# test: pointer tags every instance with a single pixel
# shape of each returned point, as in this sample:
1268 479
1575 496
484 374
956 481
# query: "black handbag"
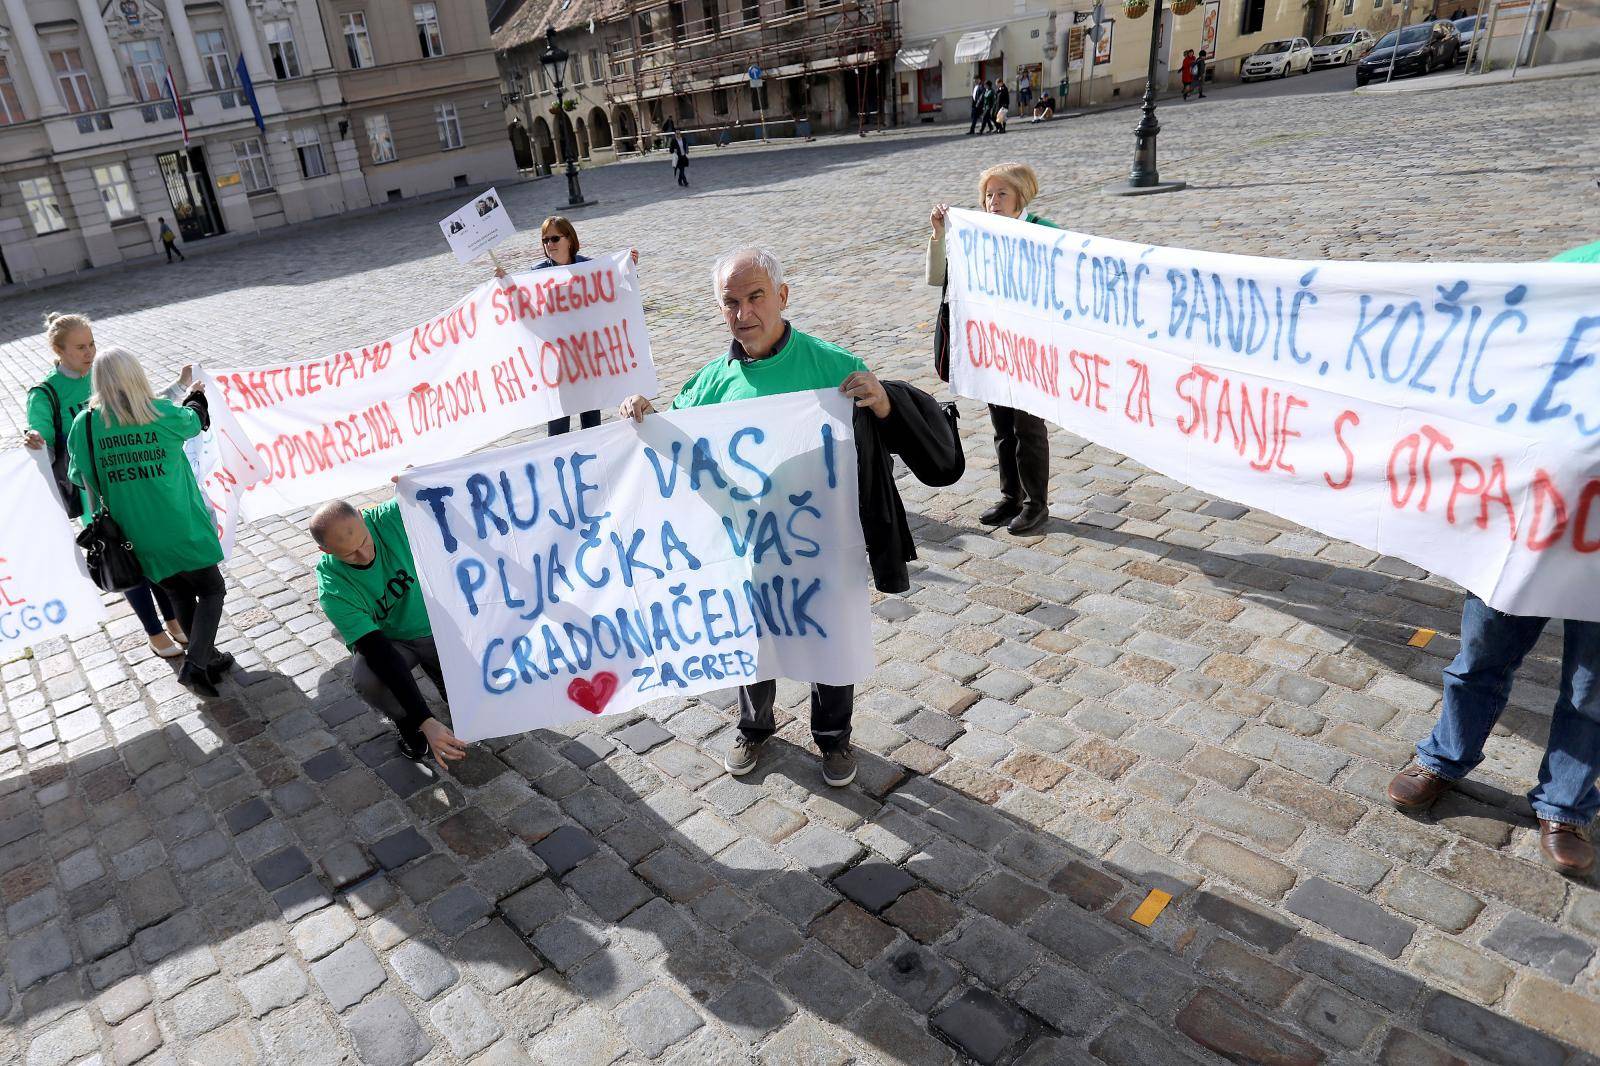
941 336
112 565
71 497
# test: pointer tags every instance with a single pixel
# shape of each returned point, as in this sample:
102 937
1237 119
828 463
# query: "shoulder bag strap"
96 496
55 408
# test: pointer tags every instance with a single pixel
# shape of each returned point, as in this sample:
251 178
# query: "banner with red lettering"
1444 413
510 355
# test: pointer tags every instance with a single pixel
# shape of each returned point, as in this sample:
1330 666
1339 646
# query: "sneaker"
839 766
741 757
413 746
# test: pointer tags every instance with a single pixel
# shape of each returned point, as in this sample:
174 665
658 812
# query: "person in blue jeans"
1476 686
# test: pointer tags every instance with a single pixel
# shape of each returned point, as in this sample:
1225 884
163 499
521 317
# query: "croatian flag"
177 103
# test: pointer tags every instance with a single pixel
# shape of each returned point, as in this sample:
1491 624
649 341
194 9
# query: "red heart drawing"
593 695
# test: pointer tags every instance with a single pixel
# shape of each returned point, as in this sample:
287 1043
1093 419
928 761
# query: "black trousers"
977 113
1022 449
414 653
172 249
558 426
831 706
197 597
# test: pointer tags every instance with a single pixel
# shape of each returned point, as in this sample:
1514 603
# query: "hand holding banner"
591 573
1445 413
44 591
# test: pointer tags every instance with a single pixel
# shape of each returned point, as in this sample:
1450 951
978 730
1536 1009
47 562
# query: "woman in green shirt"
139 472
1021 440
52 405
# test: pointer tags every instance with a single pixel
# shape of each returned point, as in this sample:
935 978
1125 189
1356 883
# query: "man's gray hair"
728 261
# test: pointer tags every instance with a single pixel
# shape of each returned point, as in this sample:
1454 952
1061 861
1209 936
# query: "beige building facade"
418 78
949 45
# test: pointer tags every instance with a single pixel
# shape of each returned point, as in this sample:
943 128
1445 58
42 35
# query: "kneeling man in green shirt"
768 357
366 580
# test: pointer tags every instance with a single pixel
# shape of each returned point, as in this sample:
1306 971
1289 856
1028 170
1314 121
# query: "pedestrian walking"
1002 102
53 404
559 239
988 107
1188 72
1021 440
1024 91
367 586
1200 73
169 241
769 357
977 107
680 157
126 449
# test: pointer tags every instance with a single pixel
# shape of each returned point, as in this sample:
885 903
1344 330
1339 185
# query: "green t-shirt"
72 393
381 597
1587 253
146 482
802 364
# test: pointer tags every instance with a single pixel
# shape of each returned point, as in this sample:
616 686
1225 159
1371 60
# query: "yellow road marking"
1151 908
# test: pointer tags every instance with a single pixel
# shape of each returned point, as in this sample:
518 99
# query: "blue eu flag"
250 93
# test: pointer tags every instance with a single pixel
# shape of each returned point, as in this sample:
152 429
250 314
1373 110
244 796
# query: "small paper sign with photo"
478 228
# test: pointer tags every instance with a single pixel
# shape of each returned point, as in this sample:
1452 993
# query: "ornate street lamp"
1143 178
555 64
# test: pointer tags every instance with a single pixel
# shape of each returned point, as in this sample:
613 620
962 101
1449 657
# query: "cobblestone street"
1166 691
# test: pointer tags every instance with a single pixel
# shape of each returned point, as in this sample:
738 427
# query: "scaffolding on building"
654 52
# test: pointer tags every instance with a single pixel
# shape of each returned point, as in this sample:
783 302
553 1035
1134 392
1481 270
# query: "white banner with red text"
1444 413
700 549
512 354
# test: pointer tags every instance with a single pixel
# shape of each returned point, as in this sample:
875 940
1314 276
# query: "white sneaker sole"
842 781
738 771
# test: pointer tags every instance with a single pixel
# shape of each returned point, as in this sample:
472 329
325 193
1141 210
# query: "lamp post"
555 64
1143 177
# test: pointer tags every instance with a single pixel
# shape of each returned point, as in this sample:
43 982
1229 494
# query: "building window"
685 107
1254 13
675 12
645 30
285 58
252 165
544 79
356 42
380 140
713 17
449 126
116 191
308 146
595 67
147 69
719 101
426 17
1349 7
758 97
10 106
213 46
40 197
752 12
793 7
72 81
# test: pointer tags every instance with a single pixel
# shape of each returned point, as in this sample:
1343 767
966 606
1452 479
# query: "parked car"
1278 59
1412 50
1339 49
1465 29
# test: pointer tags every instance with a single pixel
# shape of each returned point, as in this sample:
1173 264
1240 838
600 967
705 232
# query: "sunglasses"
557 239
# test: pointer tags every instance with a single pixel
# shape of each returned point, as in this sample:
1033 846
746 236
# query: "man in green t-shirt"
367 584
769 357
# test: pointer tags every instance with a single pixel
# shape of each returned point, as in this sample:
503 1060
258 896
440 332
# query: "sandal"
163 645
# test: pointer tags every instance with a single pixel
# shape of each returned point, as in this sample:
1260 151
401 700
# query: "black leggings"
145 600
558 426
197 596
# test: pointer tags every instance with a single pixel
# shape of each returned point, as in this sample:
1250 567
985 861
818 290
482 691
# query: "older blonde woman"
1021 440
126 450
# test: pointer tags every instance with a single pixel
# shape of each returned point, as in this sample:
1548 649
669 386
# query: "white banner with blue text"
592 572
44 590
1444 413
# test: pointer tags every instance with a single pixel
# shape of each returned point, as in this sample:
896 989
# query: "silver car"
1341 49
1278 59
1467 27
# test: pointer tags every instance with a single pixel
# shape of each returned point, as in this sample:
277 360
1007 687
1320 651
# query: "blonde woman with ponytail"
52 405
127 450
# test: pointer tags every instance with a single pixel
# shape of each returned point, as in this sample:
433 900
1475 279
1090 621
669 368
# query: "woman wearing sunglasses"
559 240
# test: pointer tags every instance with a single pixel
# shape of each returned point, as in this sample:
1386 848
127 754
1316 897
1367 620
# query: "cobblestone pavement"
1166 691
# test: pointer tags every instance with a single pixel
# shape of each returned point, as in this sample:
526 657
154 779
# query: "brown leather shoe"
1566 847
1416 787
